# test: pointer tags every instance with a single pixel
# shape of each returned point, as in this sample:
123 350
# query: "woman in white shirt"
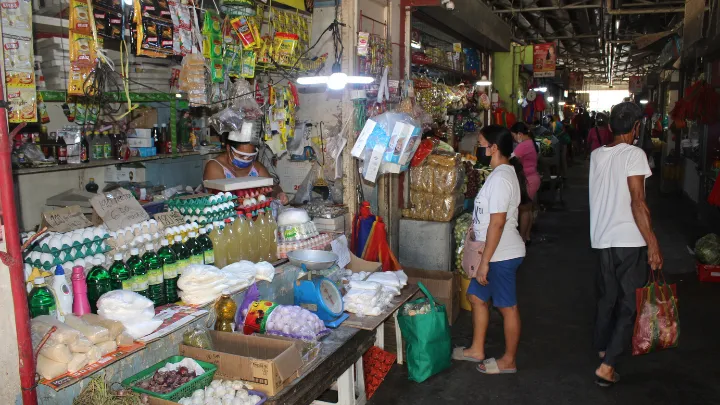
495 221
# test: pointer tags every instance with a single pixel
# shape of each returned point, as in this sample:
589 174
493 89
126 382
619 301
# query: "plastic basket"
180 392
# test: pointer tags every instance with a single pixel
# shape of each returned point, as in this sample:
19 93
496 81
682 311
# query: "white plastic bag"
49 369
82 345
265 271
114 327
79 360
106 347
64 334
122 306
142 328
96 334
124 339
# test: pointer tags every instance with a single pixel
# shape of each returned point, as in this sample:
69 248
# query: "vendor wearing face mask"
239 161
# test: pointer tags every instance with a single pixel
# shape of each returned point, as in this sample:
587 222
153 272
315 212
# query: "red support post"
13 260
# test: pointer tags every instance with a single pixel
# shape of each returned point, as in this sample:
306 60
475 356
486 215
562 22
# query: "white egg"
88 234
46 258
99 233
193 218
146 228
168 231
55 242
99 256
228 195
137 230
66 240
147 238
212 199
202 218
67 266
253 201
261 198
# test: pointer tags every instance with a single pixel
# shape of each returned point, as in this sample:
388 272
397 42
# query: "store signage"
544 60
577 80
119 209
65 219
636 84
170 219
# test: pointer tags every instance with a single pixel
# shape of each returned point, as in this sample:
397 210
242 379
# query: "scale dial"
331 297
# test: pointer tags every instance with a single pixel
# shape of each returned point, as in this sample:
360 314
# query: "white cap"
164 242
134 251
192 235
39 280
202 231
117 256
149 247
178 238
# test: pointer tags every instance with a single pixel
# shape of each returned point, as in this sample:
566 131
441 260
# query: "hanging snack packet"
23 107
212 23
165 33
163 9
80 17
245 31
285 44
248 64
82 50
217 70
17 52
77 78
147 8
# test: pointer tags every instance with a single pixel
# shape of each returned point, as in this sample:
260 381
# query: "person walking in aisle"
600 134
495 221
527 153
621 229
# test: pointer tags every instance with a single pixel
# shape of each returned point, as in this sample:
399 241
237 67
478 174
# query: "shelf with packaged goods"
105 162
458 73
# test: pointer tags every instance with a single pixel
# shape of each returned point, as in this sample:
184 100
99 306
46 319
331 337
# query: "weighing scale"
319 294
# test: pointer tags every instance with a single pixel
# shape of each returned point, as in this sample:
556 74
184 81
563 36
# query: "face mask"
243 163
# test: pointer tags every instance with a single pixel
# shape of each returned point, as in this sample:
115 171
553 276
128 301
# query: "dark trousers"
622 271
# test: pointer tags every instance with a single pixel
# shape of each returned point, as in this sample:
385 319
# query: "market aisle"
555 293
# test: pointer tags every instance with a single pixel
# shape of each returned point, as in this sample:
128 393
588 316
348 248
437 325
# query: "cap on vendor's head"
244 135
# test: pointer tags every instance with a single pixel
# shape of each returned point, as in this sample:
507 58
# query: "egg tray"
45 248
219 216
57 260
254 208
199 210
200 201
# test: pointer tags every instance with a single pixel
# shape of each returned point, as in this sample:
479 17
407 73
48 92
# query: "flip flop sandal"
458 354
607 383
491 367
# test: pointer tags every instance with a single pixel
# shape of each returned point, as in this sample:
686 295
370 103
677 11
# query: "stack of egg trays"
65 253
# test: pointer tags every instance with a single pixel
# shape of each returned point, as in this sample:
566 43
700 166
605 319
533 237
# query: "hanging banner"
544 60
577 80
636 84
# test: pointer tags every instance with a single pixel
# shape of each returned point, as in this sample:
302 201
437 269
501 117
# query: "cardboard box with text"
443 287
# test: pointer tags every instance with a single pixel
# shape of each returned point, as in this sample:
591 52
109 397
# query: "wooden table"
341 353
377 323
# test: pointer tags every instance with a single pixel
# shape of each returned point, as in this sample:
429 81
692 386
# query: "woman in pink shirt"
527 152
600 134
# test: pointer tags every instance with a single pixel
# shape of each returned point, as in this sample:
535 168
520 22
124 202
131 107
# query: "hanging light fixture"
483 81
337 79
643 101
550 99
561 103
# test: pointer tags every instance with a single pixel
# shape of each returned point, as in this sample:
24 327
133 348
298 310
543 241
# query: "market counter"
280 291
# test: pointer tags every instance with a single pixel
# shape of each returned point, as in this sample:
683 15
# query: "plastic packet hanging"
192 78
226 120
212 23
198 337
80 17
245 100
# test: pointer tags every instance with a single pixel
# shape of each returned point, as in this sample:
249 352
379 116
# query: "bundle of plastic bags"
367 298
135 312
200 284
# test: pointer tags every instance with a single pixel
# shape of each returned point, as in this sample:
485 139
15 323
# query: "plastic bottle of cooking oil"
225 310
183 254
139 271
253 240
196 252
154 265
231 252
262 232
170 271
220 253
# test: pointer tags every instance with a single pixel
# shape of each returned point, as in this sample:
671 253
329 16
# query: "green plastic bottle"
139 272
170 275
120 275
207 247
41 300
196 251
156 288
98 283
182 253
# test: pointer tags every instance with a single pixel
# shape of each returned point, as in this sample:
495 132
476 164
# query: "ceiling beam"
549 8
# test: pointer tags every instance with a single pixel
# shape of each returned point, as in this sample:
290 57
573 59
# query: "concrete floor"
555 294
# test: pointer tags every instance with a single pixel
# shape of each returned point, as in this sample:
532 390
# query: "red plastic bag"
657 325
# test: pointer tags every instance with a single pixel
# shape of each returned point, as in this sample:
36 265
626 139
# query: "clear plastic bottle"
120 275
196 251
98 283
253 240
240 229
231 251
261 230
170 274
156 290
218 241
139 271
207 247
272 238
41 300
182 253
225 310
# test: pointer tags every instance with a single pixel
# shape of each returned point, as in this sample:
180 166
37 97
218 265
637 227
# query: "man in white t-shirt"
621 229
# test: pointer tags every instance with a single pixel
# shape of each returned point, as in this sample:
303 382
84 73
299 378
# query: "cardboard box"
140 142
139 133
443 287
336 224
357 265
268 364
144 117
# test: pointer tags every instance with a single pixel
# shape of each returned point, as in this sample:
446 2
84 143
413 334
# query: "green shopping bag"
427 337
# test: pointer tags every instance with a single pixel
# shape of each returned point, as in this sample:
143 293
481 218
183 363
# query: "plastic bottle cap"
41 280
134 251
202 231
59 270
226 292
227 221
79 269
178 238
164 242
149 247
97 262
192 234
92 179
117 256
